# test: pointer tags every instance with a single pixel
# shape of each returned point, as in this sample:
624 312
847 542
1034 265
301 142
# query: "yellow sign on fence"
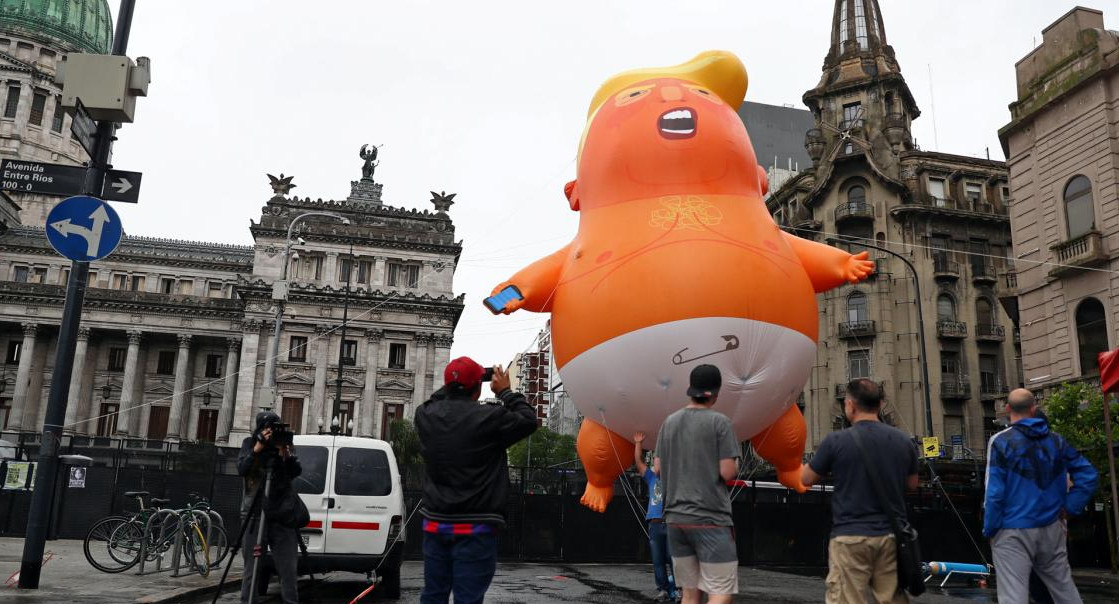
930 445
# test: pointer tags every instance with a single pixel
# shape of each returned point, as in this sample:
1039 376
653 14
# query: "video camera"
281 435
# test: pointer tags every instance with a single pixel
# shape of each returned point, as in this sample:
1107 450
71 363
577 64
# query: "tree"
405 443
548 449
1075 411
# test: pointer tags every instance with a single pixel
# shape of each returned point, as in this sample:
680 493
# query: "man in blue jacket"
1029 470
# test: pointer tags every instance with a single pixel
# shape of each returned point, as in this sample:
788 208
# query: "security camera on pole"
83 229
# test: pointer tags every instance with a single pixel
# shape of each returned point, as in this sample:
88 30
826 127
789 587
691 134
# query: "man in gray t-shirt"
697 453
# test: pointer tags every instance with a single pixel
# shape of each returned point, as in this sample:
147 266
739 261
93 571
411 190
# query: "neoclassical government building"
176 338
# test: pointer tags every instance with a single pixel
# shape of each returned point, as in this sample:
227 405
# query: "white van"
352 488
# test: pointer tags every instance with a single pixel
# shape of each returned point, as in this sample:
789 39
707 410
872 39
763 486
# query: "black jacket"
251 466
466 476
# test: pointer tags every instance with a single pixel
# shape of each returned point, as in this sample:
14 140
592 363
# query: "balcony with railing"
943 268
954 386
955 330
990 333
992 387
857 329
983 272
854 210
1085 250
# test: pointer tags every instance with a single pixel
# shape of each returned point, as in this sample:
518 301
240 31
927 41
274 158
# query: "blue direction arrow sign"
84 229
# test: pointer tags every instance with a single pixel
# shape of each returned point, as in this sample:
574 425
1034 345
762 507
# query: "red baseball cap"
465 372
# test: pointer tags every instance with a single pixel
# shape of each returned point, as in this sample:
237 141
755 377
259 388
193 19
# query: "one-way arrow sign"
122 186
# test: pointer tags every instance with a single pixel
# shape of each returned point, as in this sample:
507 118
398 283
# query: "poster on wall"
77 477
18 475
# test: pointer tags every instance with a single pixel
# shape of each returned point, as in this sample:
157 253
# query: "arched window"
1080 215
983 312
856 196
945 308
857 307
1091 334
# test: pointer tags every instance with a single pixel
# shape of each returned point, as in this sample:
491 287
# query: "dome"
84 25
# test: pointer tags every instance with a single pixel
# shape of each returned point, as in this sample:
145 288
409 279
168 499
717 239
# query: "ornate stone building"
1063 150
35 37
946 214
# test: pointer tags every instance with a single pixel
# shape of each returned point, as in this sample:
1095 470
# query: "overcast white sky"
487 100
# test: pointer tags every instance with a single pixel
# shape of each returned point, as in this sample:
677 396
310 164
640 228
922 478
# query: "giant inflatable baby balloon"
676 263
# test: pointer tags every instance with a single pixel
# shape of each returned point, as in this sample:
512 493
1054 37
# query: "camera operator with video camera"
466 478
270 448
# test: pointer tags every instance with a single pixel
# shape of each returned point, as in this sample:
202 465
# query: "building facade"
870 184
1063 148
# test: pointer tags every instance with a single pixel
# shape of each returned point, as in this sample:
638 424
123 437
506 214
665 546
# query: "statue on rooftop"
369 154
281 186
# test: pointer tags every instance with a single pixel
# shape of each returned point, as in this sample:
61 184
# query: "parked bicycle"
117 543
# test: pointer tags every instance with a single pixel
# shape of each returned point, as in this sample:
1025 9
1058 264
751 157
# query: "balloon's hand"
858 267
512 305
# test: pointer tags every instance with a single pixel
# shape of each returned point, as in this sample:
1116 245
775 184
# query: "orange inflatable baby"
678 263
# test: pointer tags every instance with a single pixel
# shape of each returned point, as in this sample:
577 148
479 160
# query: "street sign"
957 439
84 229
83 127
930 446
20 176
121 186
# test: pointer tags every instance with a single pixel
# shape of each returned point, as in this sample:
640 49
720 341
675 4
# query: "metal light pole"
920 328
270 367
47 469
342 342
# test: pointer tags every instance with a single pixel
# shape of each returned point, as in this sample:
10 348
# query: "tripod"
255 507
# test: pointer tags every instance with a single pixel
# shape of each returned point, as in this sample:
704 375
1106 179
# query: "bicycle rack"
165 516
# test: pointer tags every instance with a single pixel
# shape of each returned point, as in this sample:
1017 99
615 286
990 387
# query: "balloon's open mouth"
677 123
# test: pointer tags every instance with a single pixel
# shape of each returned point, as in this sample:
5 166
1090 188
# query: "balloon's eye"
636 93
631 95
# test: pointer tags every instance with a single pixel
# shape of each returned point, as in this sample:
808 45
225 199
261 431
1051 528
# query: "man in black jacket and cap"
258 453
466 480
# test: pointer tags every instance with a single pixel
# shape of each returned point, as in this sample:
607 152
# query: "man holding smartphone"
466 478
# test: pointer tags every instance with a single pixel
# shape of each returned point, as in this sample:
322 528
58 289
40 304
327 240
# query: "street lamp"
920 326
270 367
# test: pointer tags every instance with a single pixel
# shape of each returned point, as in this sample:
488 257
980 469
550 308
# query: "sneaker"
662 596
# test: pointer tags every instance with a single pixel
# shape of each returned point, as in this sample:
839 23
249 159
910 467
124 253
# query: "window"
1079 213
349 352
949 365
20 274
307 268
291 413
856 197
345 270
107 419
1091 334
945 308
1004 192
857 307
157 422
215 289
297 349
166 363
38 275
989 381
362 472
345 414
5 412
138 283
186 287
38 104
984 313
860 25
213 365
12 104
842 25
937 192
312 480
852 116
12 358
397 354
391 413
403 275
120 282
59 115
979 252
858 364
364 270
116 358
167 285
207 425
973 192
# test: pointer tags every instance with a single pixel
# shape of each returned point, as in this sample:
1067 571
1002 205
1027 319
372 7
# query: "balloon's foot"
596 497
791 479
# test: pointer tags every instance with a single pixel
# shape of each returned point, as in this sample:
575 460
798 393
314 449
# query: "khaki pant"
858 563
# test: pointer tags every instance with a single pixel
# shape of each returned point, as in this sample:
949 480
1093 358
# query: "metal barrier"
204 519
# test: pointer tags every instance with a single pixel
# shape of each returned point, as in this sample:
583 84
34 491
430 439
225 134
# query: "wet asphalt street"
553 584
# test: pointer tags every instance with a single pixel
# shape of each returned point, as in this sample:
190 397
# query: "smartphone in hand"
499 301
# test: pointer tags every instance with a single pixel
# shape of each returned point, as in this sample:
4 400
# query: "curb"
233 582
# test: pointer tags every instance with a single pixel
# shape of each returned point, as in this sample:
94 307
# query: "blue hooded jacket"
1028 468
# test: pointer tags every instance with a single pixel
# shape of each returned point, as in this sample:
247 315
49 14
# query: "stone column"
368 412
128 386
319 409
419 381
23 380
378 270
74 399
229 392
246 383
440 359
330 268
178 397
